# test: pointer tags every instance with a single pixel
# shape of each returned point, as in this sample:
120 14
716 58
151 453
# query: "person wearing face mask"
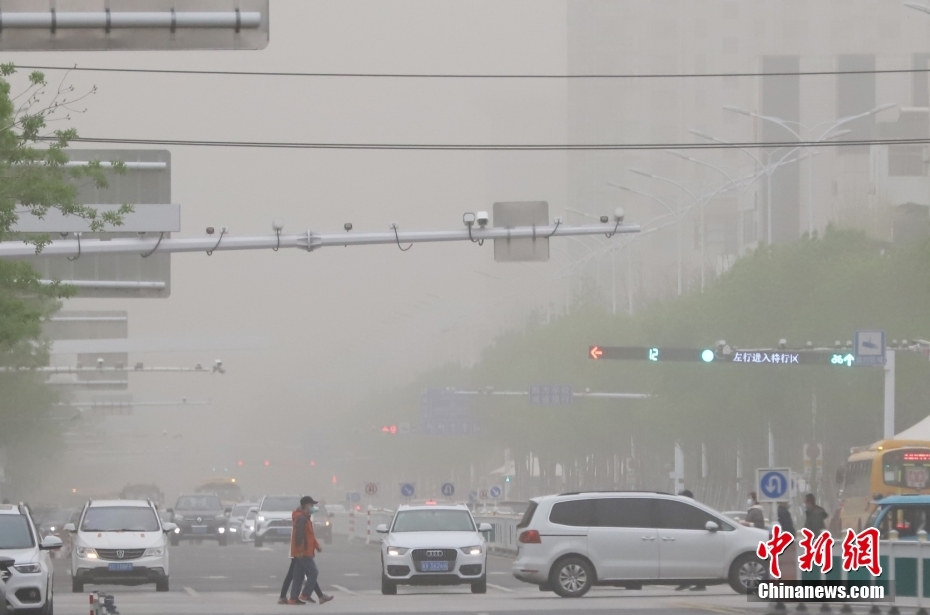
304 547
754 515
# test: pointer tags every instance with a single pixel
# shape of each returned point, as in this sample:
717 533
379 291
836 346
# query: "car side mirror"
50 543
69 527
253 510
169 527
382 529
171 510
6 563
711 526
484 527
228 511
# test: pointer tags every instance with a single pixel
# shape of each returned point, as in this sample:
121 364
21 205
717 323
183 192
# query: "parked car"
120 542
28 579
570 542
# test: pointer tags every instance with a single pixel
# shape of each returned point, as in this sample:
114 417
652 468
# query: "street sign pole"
889 394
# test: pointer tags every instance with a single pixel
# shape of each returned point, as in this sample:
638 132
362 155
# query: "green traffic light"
708 356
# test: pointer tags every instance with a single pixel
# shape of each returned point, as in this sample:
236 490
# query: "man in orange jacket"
304 547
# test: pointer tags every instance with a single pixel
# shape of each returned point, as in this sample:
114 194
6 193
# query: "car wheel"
746 573
76 586
161 586
258 541
388 587
480 586
571 577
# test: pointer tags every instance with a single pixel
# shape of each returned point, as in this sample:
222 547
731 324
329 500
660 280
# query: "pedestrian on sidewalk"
755 517
304 547
815 517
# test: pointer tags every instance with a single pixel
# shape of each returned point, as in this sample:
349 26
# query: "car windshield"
281 504
199 502
15 532
241 510
120 519
433 521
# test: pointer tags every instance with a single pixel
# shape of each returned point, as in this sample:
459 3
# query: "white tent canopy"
920 431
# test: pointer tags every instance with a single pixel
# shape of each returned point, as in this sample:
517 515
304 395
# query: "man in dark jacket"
815 517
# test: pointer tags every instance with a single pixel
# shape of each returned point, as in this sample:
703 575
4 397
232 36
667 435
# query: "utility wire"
498 146
170 71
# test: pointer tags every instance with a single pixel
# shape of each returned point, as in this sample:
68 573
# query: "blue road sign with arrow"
448 489
773 484
407 490
494 492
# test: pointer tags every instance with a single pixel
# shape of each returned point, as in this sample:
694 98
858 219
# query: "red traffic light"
312 462
391 429
240 463
335 480
267 463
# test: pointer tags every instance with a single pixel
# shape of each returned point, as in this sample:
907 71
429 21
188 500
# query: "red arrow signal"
595 352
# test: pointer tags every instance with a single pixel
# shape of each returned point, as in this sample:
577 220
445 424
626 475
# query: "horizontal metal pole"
574 394
131 404
108 284
122 370
128 19
89 318
138 166
307 241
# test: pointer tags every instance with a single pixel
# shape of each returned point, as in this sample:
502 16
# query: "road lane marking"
501 587
261 587
344 590
190 591
351 574
216 577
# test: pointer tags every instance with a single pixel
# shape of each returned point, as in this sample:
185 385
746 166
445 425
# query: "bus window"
909 468
858 479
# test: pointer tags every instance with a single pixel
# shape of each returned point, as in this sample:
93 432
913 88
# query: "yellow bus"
227 489
888 467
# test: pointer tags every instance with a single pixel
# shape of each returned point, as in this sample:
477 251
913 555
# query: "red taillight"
530 537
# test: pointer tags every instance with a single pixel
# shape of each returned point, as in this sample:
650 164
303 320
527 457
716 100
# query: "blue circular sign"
494 492
448 489
773 485
407 490
356 496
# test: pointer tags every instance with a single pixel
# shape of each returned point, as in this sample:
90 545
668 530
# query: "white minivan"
119 542
570 542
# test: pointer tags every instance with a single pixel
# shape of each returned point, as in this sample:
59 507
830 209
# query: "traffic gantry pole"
115 20
308 241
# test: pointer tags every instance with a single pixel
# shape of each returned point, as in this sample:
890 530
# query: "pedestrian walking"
289 577
815 517
755 516
304 547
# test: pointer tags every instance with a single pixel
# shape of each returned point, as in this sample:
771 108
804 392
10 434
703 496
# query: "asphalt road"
207 579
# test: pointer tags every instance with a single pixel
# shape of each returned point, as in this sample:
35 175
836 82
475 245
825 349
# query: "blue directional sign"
443 413
870 347
773 484
473 496
448 489
355 497
495 492
407 490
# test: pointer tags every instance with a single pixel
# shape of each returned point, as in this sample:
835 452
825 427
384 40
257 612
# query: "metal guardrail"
503 535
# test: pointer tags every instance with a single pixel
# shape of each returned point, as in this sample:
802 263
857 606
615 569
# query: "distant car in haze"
236 518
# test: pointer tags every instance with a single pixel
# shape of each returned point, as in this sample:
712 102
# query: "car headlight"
221 530
28 568
261 518
51 529
154 552
396 550
472 550
327 523
86 552
232 529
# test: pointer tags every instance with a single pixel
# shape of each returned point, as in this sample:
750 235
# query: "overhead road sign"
145 218
870 347
773 484
31 25
309 240
759 357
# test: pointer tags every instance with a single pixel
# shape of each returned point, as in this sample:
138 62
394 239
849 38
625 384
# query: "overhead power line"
497 146
172 71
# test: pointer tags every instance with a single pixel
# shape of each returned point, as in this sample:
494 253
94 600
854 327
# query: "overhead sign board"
73 25
738 356
870 347
551 394
522 213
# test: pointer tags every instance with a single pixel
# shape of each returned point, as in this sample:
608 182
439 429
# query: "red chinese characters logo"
861 550
816 550
773 547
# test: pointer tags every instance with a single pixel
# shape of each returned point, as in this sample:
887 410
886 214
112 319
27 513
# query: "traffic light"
312 462
390 429
240 463
506 479
267 463
335 480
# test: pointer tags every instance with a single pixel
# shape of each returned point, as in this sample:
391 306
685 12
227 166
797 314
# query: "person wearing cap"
304 547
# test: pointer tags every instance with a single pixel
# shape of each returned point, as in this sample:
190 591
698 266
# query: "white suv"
29 580
274 521
120 542
572 541
433 545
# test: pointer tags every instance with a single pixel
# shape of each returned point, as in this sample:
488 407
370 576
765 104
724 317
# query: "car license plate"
198 529
434 566
120 567
283 530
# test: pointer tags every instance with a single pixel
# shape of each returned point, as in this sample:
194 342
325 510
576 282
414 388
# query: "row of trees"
817 289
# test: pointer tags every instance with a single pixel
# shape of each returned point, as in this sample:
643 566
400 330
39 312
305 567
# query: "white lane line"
216 577
344 590
351 574
265 549
501 587
190 591
497 573
261 587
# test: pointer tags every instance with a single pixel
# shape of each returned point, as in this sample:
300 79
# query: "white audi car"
433 545
28 581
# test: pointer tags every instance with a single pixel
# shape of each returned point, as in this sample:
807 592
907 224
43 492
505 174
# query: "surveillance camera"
277 225
347 226
558 219
618 214
218 363
782 343
209 230
482 218
605 219
100 362
198 367
63 235
468 219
